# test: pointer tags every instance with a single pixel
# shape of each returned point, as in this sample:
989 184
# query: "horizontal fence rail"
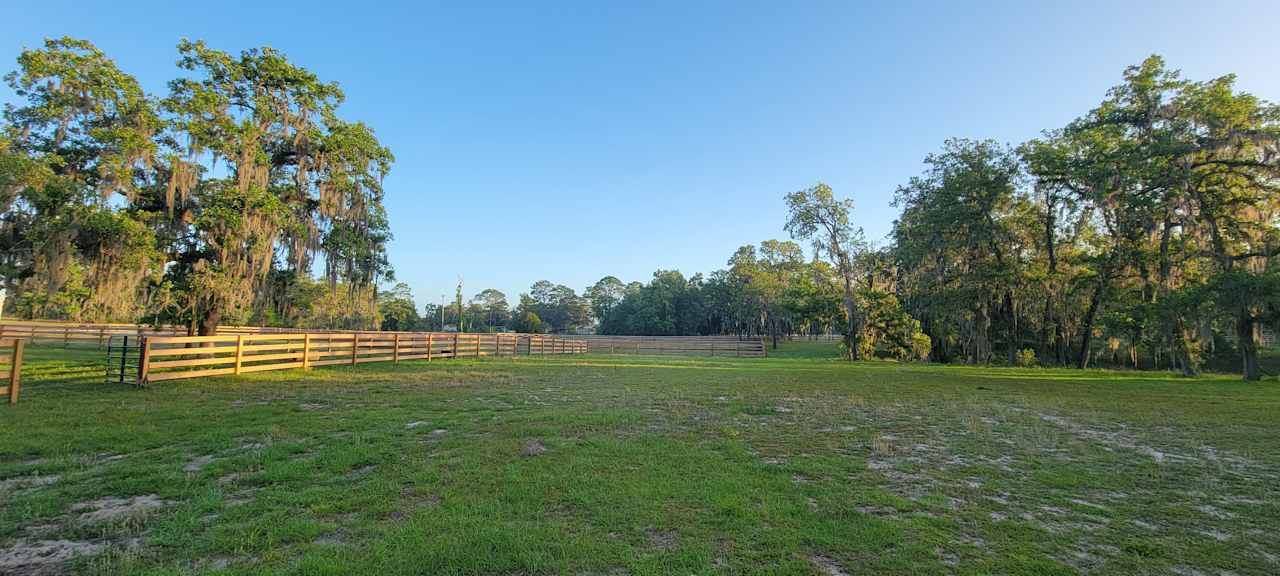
101 334
11 368
676 345
43 331
177 357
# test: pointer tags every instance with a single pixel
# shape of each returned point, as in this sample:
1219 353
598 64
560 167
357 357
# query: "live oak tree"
69 157
212 203
959 242
258 164
815 214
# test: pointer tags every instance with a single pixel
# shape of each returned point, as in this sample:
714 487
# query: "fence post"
306 351
15 371
430 352
124 356
455 344
355 346
239 351
395 350
144 359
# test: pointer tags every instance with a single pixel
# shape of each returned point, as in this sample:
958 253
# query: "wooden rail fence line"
11 377
100 334
175 357
677 345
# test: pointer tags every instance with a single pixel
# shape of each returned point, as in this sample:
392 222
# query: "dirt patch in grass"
826 565
533 447
662 539
198 463
43 557
111 509
32 481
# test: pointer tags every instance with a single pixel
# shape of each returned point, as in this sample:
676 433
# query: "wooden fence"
100 334
175 357
11 374
676 345
69 333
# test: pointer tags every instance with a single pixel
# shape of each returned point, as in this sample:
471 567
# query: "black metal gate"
123 356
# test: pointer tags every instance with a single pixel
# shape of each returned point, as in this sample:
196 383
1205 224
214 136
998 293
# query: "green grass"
796 464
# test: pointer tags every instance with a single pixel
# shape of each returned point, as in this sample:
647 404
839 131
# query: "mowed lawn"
796 464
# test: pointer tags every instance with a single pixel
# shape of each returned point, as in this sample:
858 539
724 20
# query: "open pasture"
793 464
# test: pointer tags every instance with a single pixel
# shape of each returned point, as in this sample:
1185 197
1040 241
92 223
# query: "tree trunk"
209 323
1091 316
1183 347
1086 331
1012 325
851 338
981 335
1247 334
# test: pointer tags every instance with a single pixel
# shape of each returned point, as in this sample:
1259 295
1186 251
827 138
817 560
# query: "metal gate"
123 356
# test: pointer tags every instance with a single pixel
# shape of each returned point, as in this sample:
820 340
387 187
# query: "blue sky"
568 141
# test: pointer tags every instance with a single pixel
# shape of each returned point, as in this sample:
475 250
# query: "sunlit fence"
67 333
676 345
11 368
176 357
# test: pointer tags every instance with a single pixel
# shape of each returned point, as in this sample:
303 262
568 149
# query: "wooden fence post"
144 361
306 351
239 351
355 347
395 350
430 352
15 371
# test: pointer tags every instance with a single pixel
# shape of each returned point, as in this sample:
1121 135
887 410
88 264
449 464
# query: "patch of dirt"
1216 534
1112 439
361 471
335 538
112 508
242 497
533 447
32 481
312 406
198 463
662 539
827 565
43 557
879 511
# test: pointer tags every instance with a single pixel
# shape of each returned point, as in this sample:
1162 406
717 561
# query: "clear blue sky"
568 141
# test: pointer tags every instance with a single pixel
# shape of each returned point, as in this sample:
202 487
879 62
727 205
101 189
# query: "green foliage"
398 311
115 209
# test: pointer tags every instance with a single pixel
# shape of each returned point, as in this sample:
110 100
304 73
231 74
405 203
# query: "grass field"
796 464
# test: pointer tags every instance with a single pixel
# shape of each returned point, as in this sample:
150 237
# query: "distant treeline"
1144 233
